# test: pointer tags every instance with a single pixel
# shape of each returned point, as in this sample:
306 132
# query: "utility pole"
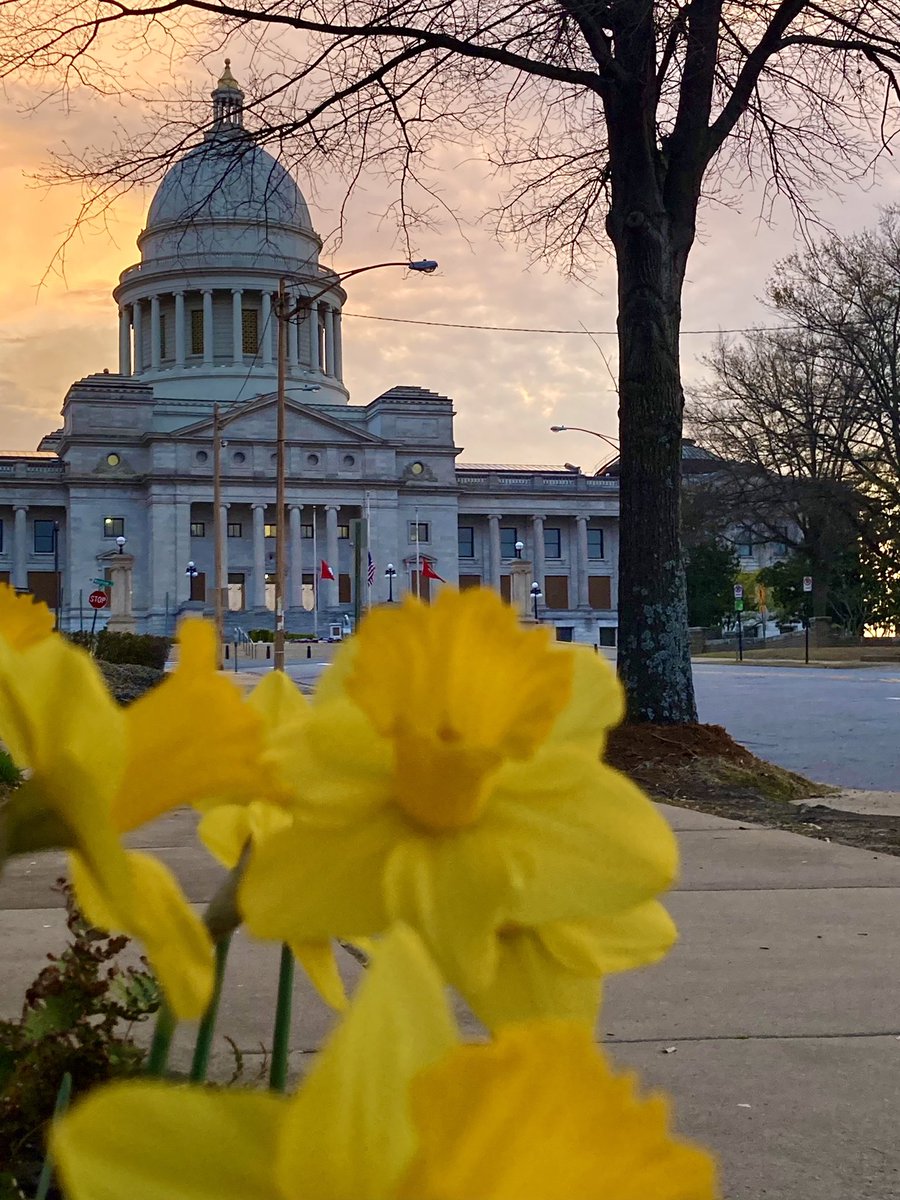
218 535
280 499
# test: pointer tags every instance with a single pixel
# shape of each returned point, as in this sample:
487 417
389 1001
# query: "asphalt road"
835 726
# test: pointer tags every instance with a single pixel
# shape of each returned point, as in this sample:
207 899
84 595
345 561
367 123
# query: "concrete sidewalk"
774 1023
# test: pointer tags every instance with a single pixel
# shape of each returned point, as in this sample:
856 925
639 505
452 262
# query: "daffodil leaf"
28 824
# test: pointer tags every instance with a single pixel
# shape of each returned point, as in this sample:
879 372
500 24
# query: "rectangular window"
556 591
469 581
1 537
505 588
595 542
565 633
112 526
343 533
43 586
552 543
249 331
306 531
198 586
419 585
235 592
466 541
600 591
198 529
744 545
606 635
43 537
270 531
509 535
196 331
419 532
344 595
163 348
235 529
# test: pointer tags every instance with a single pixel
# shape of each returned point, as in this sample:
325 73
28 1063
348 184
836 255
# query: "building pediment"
256 422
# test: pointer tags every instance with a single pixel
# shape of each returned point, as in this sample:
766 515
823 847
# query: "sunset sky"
508 387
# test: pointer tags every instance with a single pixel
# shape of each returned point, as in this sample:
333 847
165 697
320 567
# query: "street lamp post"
520 546
536 594
120 542
593 432
285 313
390 571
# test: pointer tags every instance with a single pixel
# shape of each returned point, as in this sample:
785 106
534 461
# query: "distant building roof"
513 467
28 454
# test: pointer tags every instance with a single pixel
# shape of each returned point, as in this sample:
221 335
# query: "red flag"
428 571
326 571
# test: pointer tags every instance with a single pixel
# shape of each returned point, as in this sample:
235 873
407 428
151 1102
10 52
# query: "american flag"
371 569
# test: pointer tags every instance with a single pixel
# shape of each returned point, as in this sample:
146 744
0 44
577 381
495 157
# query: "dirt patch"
703 768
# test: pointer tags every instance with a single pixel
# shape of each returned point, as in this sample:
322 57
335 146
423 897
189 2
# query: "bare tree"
609 117
780 411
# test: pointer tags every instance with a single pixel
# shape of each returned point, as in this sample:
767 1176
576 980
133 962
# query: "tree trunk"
654 649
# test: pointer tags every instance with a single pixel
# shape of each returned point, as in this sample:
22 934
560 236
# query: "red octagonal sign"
98 599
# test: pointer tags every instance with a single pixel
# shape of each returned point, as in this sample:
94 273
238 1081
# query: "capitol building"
124 489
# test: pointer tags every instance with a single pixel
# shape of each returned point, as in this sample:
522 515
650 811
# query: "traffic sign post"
97 600
739 608
807 588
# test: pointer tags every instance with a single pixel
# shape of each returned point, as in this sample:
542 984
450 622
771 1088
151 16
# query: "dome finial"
227 80
228 102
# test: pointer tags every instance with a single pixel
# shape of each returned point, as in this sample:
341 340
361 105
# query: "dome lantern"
228 102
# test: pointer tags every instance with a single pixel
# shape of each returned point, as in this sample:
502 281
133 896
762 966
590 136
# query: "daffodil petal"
538 1112
588 842
455 892
153 909
145 1141
636 938
299 887
318 961
348 1134
596 703
24 621
531 983
226 829
192 739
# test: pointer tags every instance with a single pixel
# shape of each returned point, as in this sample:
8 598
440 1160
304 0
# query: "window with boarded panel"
600 591
198 586
556 591
506 587
42 585
344 596
469 581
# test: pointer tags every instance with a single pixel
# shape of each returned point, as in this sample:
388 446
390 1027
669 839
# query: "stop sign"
98 599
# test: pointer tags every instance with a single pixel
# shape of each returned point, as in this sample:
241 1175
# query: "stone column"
20 549
314 363
494 537
329 586
237 326
537 556
121 571
289 334
223 508
267 326
329 340
582 568
138 321
207 327
338 346
295 585
124 340
180 330
154 333
259 556
296 339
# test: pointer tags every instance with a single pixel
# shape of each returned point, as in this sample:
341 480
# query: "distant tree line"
806 417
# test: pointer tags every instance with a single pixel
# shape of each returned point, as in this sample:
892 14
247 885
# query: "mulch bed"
701 767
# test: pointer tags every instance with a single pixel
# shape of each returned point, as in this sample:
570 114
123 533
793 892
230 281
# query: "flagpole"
369 558
418 560
315 577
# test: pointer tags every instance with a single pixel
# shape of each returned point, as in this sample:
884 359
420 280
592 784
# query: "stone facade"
134 457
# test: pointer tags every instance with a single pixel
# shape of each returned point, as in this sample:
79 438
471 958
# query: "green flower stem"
203 1045
282 1037
162 1040
62 1103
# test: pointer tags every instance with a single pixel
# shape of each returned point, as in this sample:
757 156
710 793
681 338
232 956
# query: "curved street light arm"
593 432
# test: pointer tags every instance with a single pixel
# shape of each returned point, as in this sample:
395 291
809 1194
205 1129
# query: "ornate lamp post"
536 595
390 572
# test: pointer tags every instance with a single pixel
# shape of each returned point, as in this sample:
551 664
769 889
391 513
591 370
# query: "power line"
573 332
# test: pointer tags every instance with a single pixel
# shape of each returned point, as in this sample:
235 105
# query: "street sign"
807 583
738 606
102 583
98 599
738 591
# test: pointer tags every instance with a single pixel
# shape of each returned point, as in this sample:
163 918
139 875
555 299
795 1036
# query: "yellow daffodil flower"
393 1109
95 770
448 776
